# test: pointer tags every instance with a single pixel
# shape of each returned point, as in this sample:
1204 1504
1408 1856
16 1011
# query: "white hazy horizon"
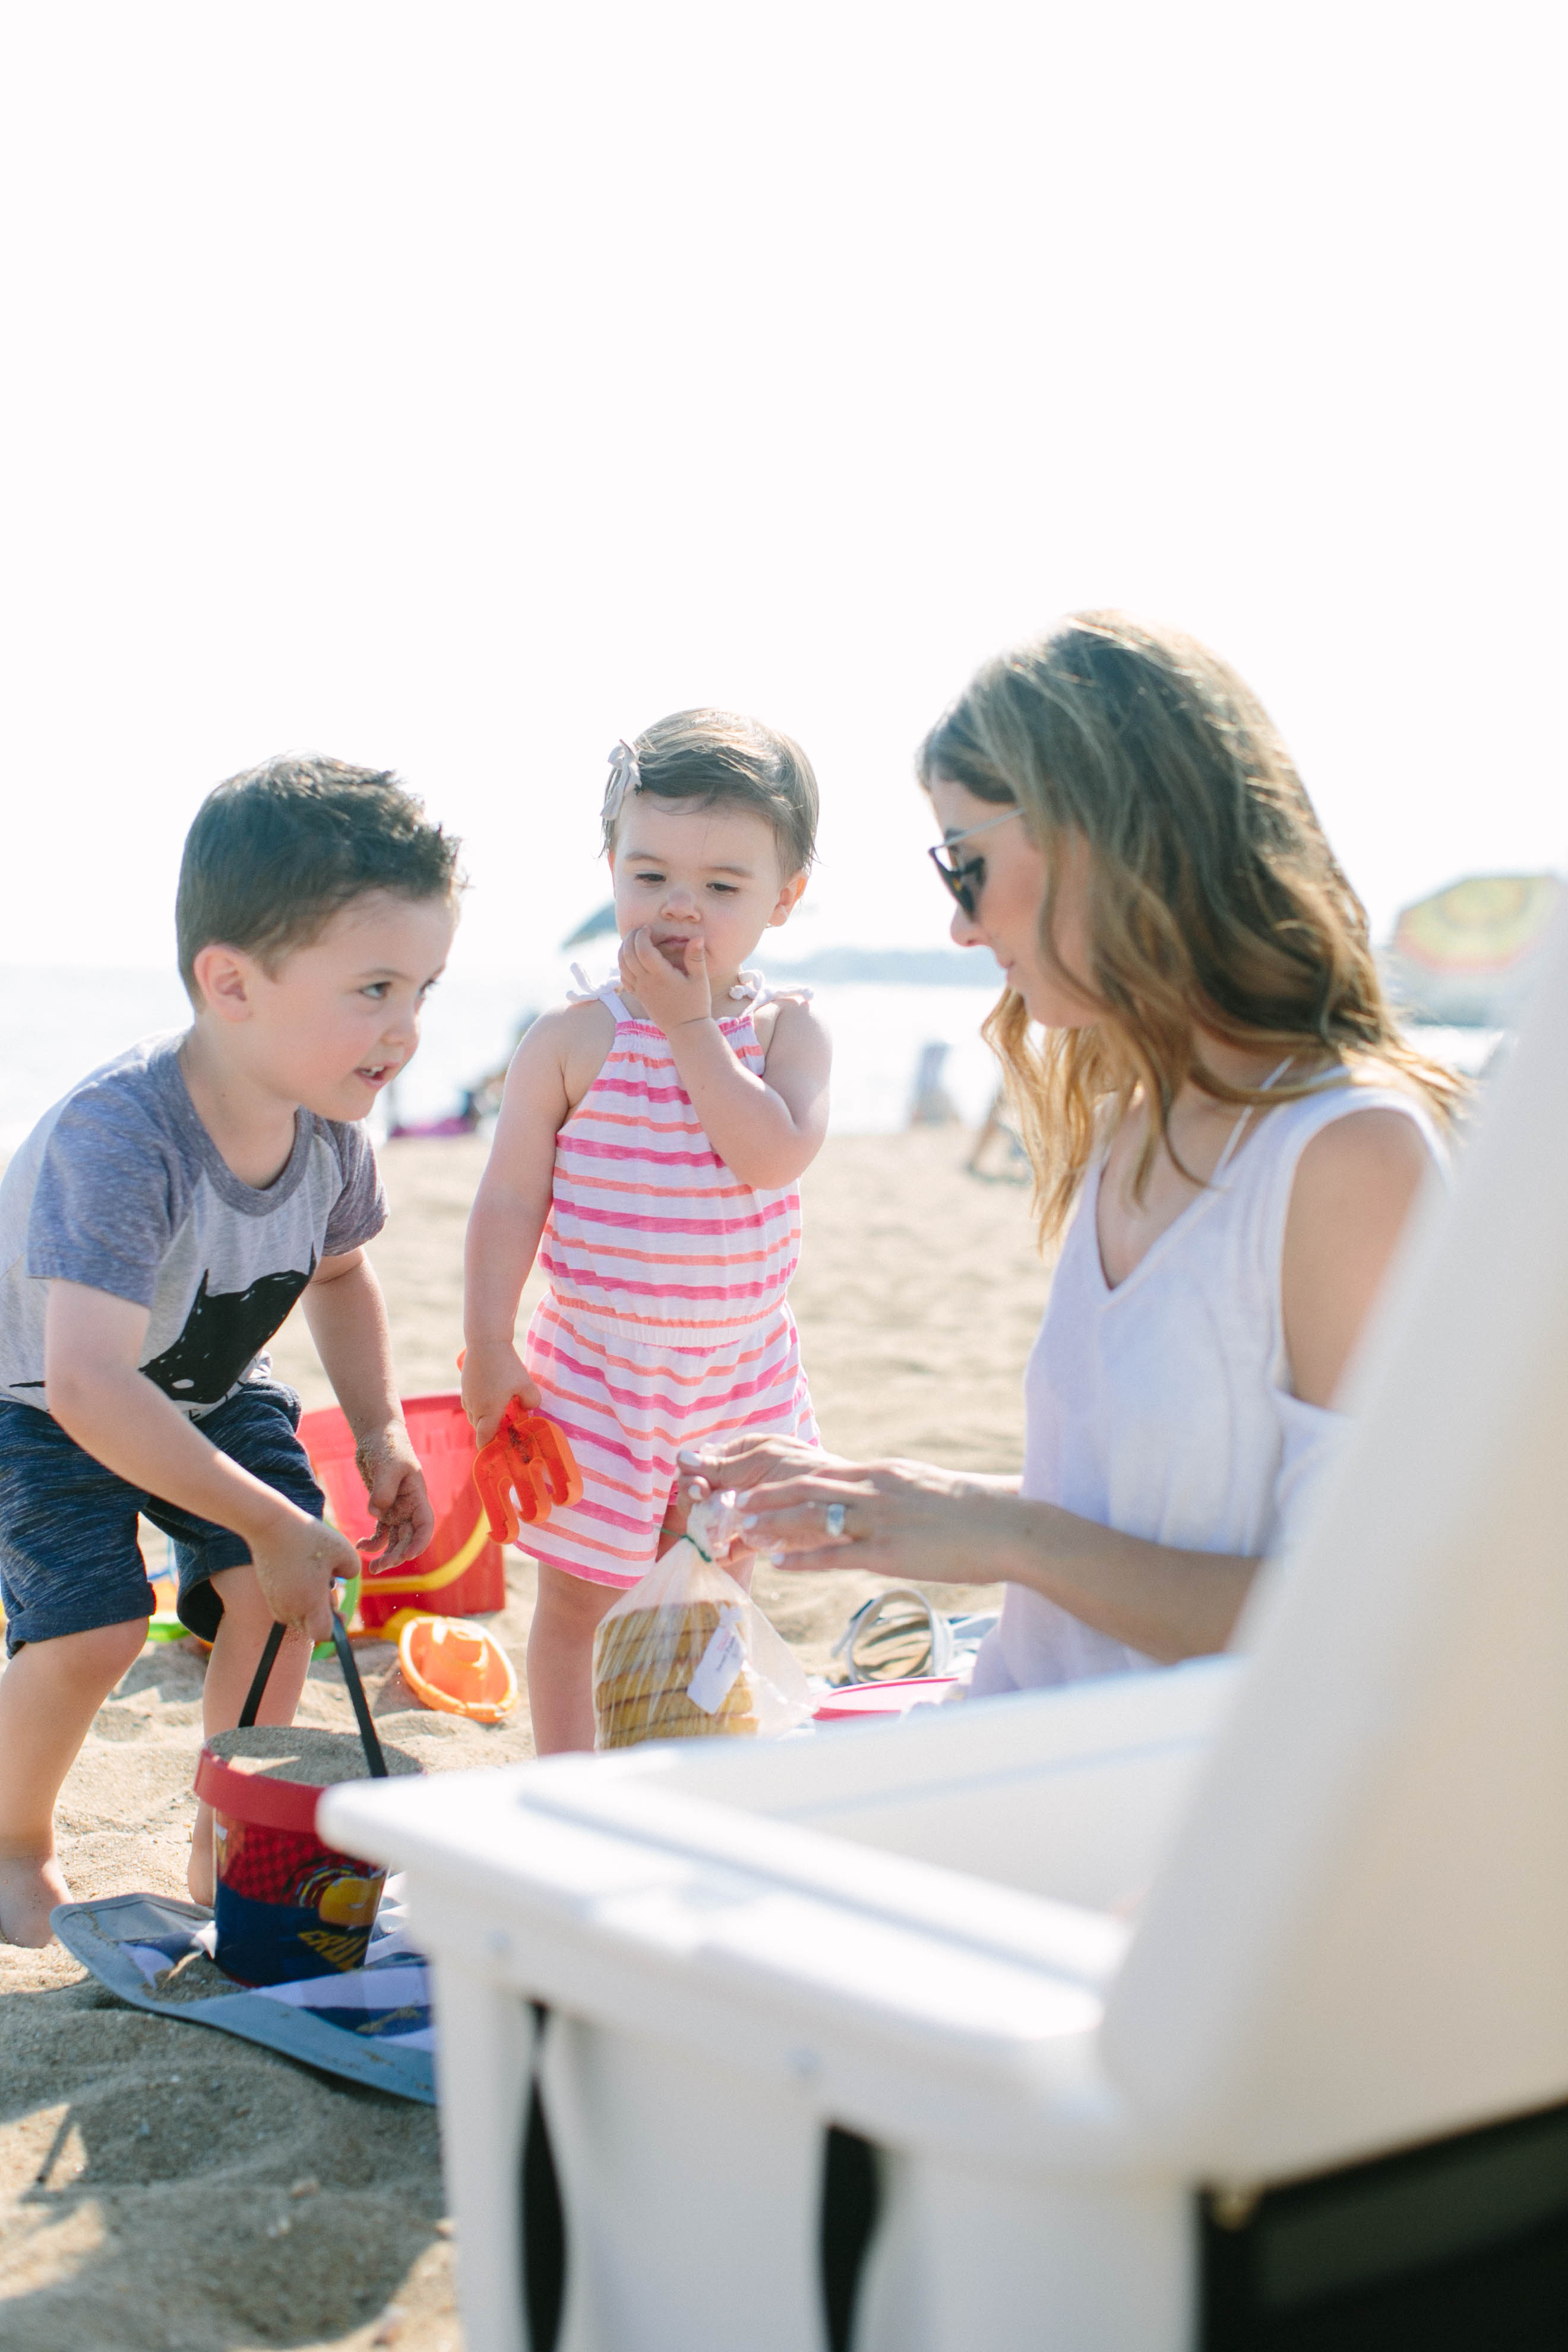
460 389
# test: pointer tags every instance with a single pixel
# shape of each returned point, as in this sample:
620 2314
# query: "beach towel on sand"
372 2024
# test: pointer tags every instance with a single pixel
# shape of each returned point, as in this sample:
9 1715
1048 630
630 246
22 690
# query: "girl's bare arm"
767 1129
546 1079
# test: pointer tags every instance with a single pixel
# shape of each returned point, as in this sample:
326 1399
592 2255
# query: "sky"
458 389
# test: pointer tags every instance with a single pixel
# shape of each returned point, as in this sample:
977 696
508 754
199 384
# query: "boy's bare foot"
29 1889
201 1875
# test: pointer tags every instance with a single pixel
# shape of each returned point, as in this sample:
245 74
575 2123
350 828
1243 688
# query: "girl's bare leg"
561 1659
49 1696
566 1617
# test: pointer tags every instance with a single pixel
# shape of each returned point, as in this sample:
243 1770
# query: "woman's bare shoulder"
1376 1146
1356 1182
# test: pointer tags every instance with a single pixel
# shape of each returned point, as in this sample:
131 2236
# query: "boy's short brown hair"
723 761
276 853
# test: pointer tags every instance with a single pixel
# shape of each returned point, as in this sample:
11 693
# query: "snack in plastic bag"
686 1654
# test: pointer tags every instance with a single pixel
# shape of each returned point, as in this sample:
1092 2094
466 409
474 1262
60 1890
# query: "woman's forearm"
914 1521
1167 1603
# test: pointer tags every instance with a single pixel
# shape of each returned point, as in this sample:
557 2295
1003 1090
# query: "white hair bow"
626 777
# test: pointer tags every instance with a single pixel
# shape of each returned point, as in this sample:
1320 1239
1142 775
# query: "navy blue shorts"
69 1560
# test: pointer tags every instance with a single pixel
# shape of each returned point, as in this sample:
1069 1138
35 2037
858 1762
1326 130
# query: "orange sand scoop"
457 1668
524 1471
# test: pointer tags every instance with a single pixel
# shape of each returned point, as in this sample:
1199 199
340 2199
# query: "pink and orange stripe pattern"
666 1324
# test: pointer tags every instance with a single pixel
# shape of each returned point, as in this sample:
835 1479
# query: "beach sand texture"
166 2189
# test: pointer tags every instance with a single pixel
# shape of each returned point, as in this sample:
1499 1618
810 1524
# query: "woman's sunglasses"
966 879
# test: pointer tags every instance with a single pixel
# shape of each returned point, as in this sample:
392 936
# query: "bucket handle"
375 1761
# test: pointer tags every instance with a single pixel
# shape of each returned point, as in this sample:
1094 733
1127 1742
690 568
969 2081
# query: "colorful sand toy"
164 1624
287 1905
455 1668
527 1469
461 1570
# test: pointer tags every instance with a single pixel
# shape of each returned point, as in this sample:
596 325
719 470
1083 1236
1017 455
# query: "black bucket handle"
374 1760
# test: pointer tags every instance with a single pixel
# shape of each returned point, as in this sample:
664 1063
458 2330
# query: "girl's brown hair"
1215 902
720 760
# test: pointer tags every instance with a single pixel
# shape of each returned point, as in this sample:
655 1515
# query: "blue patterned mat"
372 2025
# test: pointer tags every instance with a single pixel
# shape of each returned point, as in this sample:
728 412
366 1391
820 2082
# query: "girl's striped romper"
665 1324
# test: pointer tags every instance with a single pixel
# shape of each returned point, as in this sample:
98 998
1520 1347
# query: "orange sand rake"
525 1471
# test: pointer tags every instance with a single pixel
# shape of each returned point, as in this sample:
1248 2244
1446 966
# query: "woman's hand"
742 1463
905 1519
926 1526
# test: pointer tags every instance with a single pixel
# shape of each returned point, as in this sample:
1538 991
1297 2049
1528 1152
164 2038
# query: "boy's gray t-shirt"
119 1187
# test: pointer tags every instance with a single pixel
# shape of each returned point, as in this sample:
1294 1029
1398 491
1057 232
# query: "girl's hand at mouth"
673 997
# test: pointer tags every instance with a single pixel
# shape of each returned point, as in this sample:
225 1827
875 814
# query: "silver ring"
836 1518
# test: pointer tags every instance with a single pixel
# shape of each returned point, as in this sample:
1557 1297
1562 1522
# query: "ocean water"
56 1024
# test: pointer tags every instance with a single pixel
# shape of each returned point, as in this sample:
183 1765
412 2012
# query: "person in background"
1227 1133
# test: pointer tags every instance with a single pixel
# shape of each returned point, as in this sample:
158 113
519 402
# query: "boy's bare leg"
561 1658
231 1669
49 1696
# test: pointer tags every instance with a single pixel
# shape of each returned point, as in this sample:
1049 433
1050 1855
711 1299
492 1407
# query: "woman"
1227 1131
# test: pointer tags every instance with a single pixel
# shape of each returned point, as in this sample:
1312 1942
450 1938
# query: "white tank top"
1163 1408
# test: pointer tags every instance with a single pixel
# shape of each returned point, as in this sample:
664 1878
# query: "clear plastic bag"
686 1654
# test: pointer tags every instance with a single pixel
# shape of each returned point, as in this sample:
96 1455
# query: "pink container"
462 1573
881 1702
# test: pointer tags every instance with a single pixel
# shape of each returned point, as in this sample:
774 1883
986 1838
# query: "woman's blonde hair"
1214 902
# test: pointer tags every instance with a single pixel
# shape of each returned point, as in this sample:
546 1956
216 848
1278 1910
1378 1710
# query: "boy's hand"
395 1489
296 1558
492 1376
673 994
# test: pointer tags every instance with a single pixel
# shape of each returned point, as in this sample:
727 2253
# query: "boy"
156 1229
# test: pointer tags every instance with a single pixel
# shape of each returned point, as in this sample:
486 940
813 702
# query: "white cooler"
1224 2007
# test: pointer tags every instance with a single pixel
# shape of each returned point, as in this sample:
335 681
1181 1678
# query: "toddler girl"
649 1148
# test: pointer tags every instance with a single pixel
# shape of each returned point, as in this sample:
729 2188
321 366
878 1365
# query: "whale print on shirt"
224 1331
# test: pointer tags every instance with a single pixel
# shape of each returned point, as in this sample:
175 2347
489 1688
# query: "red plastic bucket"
462 1573
288 1906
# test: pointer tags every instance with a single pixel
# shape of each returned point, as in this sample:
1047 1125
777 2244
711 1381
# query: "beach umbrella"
1466 955
597 927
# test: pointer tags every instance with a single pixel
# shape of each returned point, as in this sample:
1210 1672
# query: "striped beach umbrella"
1465 955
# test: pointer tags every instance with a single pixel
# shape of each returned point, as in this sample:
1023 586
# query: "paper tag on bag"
719 1664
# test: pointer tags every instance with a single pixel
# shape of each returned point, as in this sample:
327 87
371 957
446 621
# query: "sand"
164 2188
305 1752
